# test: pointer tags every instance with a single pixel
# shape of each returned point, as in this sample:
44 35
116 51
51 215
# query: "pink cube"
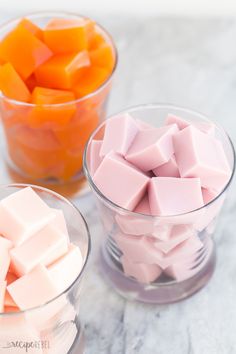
200 155
142 125
45 247
120 132
120 182
94 155
168 169
9 302
3 286
179 233
152 147
5 246
33 289
144 273
172 196
205 127
22 214
59 221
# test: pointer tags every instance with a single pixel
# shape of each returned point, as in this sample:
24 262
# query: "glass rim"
68 202
152 106
37 14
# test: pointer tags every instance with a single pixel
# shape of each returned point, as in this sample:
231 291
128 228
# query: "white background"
135 7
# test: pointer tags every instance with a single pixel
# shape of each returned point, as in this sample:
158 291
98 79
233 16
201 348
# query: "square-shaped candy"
178 234
172 196
144 273
200 155
152 147
120 182
205 127
5 246
168 169
3 286
94 155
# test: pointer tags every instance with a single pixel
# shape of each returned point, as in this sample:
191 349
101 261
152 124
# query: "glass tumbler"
53 327
38 147
139 255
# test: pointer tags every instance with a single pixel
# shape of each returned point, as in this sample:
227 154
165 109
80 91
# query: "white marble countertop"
190 63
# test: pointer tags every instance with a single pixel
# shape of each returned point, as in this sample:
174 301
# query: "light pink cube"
142 125
144 273
152 147
205 127
45 247
179 233
120 132
168 169
22 214
94 155
172 196
59 221
33 289
5 246
66 269
208 195
3 286
200 155
120 182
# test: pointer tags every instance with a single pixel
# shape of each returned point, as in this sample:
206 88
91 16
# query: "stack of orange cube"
53 93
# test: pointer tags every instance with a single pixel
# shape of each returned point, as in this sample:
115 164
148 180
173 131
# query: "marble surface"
191 63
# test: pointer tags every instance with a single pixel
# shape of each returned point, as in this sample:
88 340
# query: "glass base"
164 293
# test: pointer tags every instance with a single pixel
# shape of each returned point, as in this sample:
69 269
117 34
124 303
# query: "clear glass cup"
51 153
55 326
182 273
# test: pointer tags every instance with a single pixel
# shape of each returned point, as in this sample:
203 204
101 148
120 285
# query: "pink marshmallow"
172 196
59 221
5 246
33 289
144 273
142 125
120 182
168 169
9 302
179 233
152 147
44 247
66 269
200 155
94 155
208 195
22 214
120 132
3 286
208 128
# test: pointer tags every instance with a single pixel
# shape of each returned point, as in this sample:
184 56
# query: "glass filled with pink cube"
44 248
160 175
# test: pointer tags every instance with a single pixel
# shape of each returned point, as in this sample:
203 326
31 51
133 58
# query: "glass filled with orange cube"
56 72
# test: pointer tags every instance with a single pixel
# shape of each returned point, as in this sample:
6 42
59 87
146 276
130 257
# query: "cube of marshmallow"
120 182
172 196
66 269
168 169
120 132
3 286
33 289
144 273
178 234
59 221
22 214
208 128
46 246
152 147
200 155
142 125
5 246
94 155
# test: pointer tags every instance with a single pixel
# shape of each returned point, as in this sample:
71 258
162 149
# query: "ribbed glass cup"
192 268
53 327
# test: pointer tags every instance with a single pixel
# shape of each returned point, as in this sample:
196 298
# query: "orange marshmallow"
12 85
103 57
61 71
31 27
90 81
24 51
31 82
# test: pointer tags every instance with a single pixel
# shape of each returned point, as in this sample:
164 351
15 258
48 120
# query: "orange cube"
103 57
61 71
50 108
12 85
68 35
31 27
90 81
24 51
31 82
96 40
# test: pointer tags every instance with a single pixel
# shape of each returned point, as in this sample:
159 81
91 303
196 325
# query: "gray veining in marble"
190 63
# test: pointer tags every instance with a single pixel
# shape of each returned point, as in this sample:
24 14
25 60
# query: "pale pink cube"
152 147
144 273
120 132
208 195
179 233
33 289
3 286
172 196
168 169
59 221
66 269
142 125
120 182
22 214
94 155
5 246
200 155
205 127
45 247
